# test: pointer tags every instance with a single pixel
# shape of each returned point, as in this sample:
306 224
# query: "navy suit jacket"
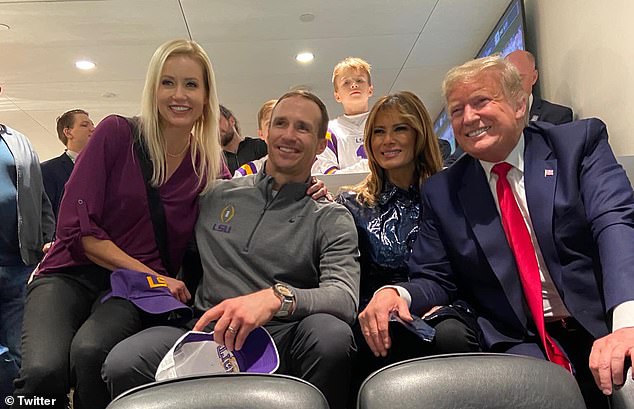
545 111
582 210
55 174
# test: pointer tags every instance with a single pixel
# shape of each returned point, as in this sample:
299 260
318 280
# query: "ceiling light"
305 57
84 65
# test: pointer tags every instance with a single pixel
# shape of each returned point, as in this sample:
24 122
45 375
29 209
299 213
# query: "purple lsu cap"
148 292
258 354
196 353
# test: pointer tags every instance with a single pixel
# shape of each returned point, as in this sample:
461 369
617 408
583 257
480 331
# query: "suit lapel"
540 182
536 110
482 215
67 164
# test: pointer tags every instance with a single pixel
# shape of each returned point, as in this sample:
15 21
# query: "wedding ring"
231 329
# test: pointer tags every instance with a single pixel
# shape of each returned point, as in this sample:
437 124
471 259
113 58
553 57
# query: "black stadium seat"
477 380
226 391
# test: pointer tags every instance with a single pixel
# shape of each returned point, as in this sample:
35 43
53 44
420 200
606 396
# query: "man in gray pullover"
271 257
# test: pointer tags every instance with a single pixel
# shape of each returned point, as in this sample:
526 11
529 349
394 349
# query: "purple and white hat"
148 292
196 353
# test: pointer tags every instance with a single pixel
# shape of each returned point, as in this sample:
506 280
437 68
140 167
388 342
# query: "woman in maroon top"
104 224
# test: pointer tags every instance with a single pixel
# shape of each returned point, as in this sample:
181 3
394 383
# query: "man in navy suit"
74 127
539 109
575 203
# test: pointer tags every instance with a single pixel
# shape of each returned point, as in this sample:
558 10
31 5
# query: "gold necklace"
178 155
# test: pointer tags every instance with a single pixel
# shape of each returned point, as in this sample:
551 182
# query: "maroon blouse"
106 198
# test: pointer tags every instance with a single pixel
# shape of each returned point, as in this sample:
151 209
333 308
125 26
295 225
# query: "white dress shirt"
72 155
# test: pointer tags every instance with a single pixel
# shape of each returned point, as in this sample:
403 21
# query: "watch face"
284 291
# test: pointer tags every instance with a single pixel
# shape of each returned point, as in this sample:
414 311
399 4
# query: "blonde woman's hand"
178 289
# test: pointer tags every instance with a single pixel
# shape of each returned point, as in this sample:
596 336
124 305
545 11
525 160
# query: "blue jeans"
12 295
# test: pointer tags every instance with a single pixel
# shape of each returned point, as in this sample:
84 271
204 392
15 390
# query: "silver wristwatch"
287 298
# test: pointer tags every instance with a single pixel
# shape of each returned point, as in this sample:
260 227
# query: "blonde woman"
105 224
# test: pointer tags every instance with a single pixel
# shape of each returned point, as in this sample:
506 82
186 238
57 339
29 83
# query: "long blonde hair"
205 145
427 157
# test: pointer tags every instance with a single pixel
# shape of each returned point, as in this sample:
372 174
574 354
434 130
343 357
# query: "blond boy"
264 121
353 88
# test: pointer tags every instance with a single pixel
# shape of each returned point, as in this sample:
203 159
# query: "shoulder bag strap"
157 212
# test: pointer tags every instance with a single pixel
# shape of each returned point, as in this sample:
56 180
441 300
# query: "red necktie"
520 241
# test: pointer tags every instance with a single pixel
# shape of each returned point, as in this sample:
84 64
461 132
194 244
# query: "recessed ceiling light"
4 27
307 17
84 65
305 57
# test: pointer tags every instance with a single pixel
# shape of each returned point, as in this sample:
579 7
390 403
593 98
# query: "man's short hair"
352 63
323 125
67 120
265 110
224 111
500 69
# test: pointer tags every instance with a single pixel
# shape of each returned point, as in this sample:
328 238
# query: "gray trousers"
318 349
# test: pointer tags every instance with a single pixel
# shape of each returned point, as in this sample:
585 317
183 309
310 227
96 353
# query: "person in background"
74 128
264 122
402 153
539 109
237 149
352 89
105 224
27 223
257 272
264 118
533 227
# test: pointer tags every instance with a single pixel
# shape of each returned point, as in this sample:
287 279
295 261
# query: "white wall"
585 52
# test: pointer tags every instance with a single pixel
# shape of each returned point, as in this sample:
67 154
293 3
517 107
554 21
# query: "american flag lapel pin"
549 172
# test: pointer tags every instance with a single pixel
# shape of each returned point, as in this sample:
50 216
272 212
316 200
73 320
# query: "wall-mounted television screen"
506 37
508 34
